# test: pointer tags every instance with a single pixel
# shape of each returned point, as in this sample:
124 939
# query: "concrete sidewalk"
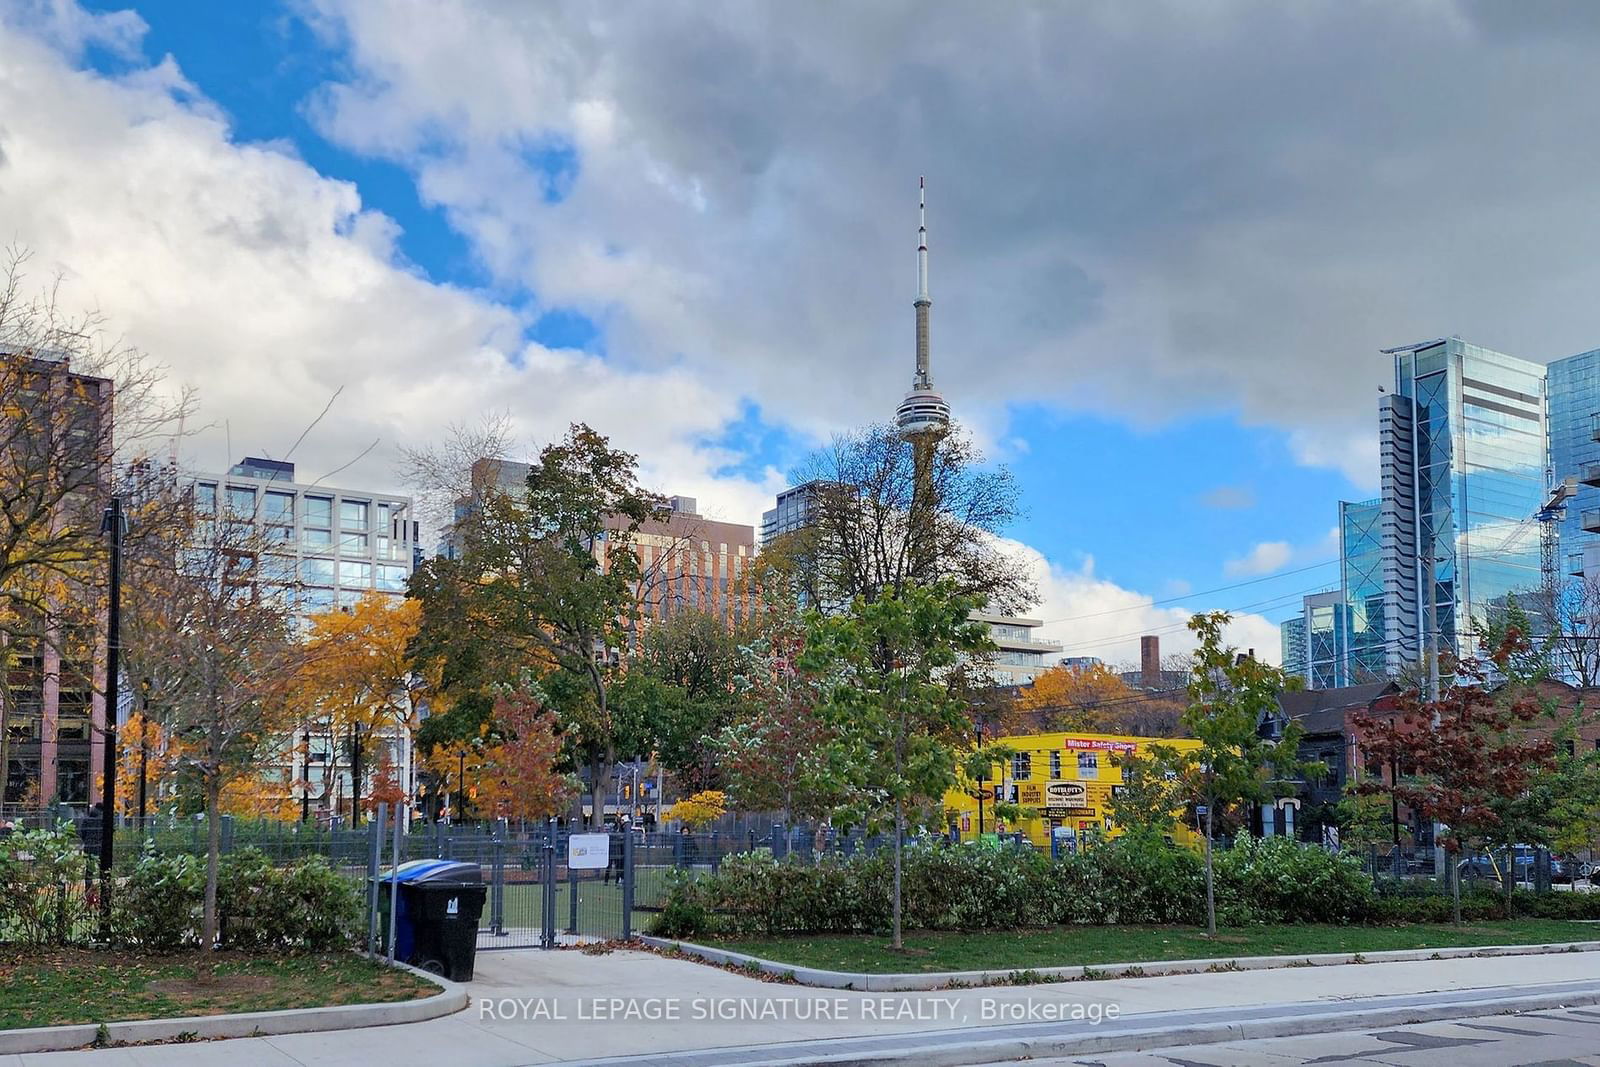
534 1007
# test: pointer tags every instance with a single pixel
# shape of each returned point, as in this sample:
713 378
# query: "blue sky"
1160 274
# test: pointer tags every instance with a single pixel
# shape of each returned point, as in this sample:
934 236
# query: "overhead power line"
1190 596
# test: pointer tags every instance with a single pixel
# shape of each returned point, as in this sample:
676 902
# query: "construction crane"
1550 514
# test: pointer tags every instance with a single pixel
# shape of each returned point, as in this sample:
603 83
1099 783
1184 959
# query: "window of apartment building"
276 568
19 776
353 544
317 511
313 601
278 507
317 571
241 501
1022 766
353 514
72 781
352 572
316 539
1088 766
391 578
205 497
1055 765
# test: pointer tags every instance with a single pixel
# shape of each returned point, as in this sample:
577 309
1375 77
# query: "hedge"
1131 880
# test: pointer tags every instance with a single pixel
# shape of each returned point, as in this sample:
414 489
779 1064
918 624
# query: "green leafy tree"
549 574
1230 695
1147 802
897 725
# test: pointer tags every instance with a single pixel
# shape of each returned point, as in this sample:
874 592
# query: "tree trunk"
899 837
208 922
1211 891
1508 881
5 735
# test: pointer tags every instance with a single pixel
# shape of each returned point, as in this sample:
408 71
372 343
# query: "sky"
1167 241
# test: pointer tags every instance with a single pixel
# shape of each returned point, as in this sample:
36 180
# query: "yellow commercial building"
1066 779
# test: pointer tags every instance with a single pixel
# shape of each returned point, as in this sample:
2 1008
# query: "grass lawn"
599 909
1086 945
56 987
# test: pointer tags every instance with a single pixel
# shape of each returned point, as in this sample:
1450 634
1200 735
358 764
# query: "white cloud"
270 286
1229 498
747 209
1092 616
1264 558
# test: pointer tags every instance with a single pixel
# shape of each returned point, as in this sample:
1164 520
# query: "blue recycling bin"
435 915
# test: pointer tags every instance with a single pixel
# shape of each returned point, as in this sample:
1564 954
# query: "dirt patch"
1224 939
210 985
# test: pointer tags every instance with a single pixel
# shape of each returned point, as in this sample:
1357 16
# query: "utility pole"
111 523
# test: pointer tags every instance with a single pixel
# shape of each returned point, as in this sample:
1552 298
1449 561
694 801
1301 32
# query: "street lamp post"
112 523
983 777
461 780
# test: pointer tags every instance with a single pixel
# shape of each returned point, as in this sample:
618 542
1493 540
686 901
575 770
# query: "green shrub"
306 905
1278 880
43 890
157 907
684 911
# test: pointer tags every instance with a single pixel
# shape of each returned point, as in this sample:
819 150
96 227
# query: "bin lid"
425 871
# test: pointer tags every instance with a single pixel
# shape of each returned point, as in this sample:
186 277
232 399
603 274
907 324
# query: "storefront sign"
1100 744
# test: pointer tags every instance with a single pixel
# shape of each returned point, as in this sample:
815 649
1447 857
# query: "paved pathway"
535 1007
1544 1038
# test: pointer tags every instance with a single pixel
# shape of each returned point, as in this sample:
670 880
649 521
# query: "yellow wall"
1075 795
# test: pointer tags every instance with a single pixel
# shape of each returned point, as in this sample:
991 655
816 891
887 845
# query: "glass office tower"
1463 454
1361 578
1575 453
1292 642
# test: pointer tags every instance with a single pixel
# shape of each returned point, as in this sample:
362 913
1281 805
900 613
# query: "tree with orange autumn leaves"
357 685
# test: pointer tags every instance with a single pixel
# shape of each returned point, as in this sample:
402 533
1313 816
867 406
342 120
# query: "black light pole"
111 523
983 778
461 783
305 790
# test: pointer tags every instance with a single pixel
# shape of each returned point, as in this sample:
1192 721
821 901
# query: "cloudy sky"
1168 239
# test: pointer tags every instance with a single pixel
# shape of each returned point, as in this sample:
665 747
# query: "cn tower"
923 416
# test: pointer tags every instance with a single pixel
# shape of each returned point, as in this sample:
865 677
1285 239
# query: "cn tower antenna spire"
923 414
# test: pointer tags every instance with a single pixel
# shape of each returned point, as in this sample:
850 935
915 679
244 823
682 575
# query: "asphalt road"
1570 1036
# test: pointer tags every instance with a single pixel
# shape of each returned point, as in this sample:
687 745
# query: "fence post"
374 851
716 856
226 834
627 883
777 840
497 884
572 898
394 889
438 839
547 880
677 851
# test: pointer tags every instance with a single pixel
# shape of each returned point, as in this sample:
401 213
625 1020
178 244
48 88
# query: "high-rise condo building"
1462 451
55 474
1361 579
1575 453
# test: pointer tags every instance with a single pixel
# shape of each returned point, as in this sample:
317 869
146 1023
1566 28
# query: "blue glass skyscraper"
1361 578
1575 453
1463 454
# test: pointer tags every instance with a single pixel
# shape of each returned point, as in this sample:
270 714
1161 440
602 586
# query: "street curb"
451 998
920 1049
888 983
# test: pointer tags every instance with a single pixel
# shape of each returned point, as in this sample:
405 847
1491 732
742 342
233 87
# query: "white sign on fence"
588 852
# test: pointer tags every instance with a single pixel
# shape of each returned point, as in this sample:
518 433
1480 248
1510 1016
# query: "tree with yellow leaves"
700 810
357 684
1070 698
147 764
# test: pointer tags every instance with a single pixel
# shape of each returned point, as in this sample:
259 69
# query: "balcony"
1594 426
1589 474
1589 519
1575 564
